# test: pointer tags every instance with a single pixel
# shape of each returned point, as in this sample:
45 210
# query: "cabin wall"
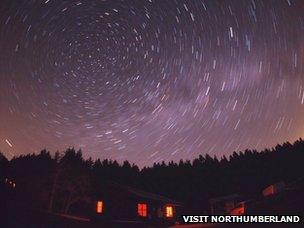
126 210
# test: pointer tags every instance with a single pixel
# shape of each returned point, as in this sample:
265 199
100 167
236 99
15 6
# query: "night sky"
150 80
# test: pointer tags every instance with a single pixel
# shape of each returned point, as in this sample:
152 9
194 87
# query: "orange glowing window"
99 207
169 211
142 209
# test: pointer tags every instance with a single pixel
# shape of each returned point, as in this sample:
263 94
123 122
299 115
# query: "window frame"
142 209
169 211
99 207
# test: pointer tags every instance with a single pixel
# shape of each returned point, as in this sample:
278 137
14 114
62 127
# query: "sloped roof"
222 198
146 195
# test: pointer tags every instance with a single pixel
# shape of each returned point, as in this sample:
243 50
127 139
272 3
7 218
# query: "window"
99 208
169 211
142 209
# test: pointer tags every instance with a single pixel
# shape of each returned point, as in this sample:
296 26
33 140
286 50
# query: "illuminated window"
169 212
99 207
142 209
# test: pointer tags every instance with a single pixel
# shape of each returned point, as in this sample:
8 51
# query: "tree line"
65 182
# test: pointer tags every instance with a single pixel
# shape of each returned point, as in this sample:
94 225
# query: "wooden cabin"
122 204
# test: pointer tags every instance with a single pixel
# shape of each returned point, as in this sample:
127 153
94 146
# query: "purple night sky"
150 80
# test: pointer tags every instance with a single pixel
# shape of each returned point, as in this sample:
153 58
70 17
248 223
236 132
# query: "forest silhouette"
66 182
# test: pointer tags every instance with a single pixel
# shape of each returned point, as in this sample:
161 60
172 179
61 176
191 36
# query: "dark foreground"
47 220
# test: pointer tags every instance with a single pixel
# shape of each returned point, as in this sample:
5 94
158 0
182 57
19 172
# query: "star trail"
150 80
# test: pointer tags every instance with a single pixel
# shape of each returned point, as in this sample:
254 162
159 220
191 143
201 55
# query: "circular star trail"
150 80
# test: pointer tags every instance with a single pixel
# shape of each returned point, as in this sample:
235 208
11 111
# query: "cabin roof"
223 198
145 195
